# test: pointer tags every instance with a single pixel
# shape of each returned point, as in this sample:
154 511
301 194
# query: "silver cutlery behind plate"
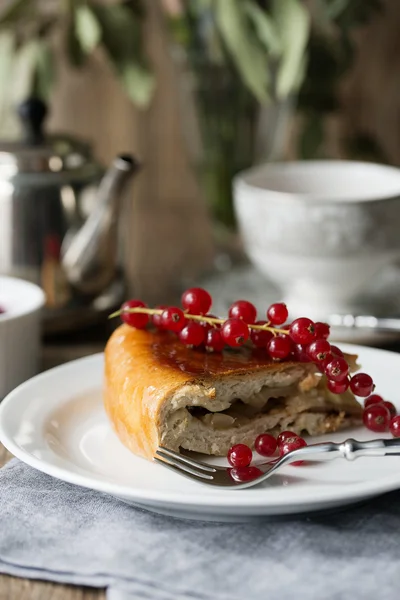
367 322
231 478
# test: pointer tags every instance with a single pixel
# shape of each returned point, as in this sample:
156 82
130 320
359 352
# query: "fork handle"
350 449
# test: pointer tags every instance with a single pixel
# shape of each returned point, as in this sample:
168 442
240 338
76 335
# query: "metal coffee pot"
59 212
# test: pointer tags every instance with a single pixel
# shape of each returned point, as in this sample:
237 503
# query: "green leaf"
87 28
293 23
138 82
45 70
301 74
122 40
24 67
7 48
120 32
248 56
74 50
13 11
264 26
7 45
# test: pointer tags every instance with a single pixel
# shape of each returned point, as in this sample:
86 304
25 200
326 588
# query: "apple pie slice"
158 392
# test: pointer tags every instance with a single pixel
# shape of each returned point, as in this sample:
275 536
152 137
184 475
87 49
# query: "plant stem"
202 318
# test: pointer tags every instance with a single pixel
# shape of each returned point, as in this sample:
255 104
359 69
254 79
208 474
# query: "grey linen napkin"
59 532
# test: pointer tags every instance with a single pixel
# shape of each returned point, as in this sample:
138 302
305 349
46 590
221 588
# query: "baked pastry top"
158 392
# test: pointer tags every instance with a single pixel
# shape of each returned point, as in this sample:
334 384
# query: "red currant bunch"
240 456
302 340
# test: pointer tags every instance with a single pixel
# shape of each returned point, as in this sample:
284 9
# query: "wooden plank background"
168 234
371 94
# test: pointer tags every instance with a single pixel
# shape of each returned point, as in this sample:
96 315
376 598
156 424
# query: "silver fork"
233 478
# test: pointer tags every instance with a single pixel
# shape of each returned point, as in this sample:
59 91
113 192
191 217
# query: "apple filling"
211 419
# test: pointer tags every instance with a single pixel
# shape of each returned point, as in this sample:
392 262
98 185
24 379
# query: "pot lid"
37 153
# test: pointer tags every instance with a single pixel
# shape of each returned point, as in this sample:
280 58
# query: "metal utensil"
228 477
59 212
368 322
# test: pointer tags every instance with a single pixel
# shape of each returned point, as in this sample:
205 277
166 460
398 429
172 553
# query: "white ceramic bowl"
320 230
19 331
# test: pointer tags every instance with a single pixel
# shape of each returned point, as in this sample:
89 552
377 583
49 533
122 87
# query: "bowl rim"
36 294
241 182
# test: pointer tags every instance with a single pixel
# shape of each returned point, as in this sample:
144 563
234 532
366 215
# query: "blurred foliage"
277 48
28 29
331 52
265 42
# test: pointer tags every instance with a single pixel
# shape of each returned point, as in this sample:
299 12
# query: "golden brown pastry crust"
143 371
143 367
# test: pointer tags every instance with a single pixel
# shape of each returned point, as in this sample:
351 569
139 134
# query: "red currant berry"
235 332
260 337
322 330
337 369
319 350
300 353
376 417
285 436
391 408
302 331
137 320
361 385
244 474
243 310
279 347
338 387
173 319
290 445
192 334
196 301
265 444
214 341
336 351
394 426
239 455
373 399
157 318
277 313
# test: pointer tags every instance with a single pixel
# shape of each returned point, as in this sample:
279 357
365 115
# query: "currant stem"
202 318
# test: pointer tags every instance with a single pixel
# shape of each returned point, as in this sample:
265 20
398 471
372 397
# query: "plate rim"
225 498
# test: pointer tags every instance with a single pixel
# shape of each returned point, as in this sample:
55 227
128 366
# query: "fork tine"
182 465
179 467
187 460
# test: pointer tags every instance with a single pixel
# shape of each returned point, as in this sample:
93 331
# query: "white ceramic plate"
56 423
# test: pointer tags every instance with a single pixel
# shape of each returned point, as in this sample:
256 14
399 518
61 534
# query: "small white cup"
19 331
320 230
